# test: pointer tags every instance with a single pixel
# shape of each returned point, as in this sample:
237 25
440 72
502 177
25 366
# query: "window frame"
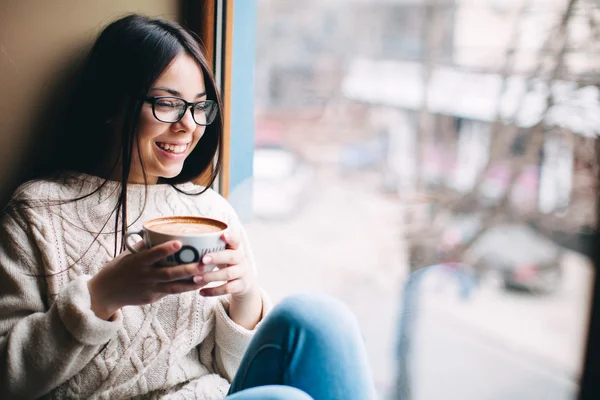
228 30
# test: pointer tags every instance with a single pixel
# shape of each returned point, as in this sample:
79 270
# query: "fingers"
157 253
175 273
178 287
232 239
225 257
230 287
225 274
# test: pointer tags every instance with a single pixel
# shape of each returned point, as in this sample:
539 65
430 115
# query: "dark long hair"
126 59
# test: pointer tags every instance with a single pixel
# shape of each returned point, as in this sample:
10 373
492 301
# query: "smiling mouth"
173 148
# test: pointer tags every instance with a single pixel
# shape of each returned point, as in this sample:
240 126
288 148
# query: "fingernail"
176 245
198 279
206 259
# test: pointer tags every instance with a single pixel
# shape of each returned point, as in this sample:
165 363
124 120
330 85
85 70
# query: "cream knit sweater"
53 346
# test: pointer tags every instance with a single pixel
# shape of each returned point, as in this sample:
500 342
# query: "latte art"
185 228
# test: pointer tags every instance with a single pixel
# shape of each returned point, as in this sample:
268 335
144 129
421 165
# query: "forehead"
183 75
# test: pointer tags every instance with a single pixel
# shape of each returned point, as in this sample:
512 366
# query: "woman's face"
165 146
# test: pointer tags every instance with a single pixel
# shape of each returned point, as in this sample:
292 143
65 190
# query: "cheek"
148 127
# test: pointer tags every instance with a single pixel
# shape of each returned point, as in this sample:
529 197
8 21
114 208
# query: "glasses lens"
205 112
169 109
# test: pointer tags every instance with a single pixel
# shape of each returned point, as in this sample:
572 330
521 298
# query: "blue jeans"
308 347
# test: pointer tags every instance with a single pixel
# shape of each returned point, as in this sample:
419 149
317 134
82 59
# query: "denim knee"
271 392
285 393
317 313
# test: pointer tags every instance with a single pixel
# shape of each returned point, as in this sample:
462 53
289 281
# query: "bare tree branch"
498 213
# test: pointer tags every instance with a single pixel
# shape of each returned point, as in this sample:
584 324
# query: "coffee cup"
198 236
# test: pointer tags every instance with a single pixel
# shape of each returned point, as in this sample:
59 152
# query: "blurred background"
433 163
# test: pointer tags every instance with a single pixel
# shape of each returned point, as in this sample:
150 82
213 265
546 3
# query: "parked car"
517 257
514 256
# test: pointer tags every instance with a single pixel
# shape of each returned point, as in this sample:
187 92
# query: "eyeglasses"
171 109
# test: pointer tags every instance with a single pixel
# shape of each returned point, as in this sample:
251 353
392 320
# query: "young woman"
82 319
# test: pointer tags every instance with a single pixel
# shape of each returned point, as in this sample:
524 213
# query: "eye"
202 106
168 103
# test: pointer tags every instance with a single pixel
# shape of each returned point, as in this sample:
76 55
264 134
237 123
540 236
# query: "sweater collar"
93 182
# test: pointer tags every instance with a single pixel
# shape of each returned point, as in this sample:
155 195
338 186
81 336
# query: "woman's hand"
233 269
239 279
134 279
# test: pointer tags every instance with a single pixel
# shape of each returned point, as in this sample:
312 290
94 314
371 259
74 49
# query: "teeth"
177 149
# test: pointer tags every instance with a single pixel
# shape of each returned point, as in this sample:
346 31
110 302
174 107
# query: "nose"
186 122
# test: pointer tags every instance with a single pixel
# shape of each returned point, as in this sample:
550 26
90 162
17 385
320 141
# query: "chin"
170 173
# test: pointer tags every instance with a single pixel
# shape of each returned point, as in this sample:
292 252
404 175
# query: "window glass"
433 165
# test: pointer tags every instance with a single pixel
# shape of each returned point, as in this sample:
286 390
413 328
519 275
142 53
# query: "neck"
136 175
135 178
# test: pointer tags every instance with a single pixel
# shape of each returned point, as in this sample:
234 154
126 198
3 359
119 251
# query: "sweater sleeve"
40 346
231 339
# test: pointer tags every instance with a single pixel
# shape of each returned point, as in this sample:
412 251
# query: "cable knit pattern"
51 343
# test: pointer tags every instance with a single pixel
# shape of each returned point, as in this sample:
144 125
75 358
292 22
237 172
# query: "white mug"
198 236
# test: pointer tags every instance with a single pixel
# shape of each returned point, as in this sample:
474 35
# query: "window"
397 169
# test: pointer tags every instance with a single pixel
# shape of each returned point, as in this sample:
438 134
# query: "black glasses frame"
153 99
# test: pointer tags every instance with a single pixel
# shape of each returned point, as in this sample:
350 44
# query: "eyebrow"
175 92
